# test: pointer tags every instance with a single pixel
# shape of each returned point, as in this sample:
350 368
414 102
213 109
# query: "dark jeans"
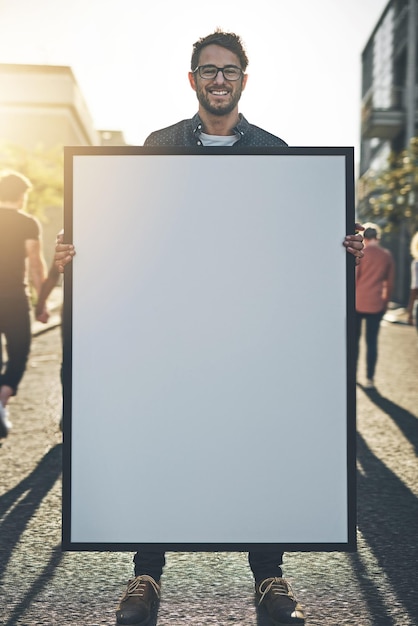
15 325
372 331
263 565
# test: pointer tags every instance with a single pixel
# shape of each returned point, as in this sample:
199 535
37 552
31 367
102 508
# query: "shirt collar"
240 129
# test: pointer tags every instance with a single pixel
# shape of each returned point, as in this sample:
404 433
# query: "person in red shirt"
374 284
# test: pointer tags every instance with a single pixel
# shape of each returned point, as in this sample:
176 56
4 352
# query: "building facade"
389 120
389 78
42 107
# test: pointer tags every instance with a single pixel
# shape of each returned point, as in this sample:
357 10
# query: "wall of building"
42 106
389 116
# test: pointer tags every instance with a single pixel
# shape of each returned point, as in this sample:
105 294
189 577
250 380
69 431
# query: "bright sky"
131 58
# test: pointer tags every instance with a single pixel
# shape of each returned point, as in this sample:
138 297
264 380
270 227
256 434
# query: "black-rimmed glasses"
209 72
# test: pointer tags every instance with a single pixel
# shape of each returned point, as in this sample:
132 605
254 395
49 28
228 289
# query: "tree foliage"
390 197
44 168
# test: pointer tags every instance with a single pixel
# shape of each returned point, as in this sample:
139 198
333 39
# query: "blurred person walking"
50 282
413 294
374 285
47 287
21 261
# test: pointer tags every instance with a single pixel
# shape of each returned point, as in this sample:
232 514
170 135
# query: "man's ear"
244 81
192 81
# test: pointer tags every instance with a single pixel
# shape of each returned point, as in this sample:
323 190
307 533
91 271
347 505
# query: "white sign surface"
207 380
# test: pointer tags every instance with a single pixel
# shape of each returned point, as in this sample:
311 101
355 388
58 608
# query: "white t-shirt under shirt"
219 141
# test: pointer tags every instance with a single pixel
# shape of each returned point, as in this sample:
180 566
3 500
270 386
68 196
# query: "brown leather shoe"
277 597
141 595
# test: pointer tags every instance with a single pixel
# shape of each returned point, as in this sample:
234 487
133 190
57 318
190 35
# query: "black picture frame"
208 351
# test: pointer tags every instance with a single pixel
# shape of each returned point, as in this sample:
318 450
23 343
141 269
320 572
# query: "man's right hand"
64 253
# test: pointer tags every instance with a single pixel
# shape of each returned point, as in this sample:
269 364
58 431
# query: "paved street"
377 586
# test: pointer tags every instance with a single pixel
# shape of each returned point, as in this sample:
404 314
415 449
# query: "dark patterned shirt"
187 133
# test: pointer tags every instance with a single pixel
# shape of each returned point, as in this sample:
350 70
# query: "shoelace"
136 586
277 586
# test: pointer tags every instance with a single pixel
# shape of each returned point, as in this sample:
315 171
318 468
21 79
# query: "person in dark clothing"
218 77
20 246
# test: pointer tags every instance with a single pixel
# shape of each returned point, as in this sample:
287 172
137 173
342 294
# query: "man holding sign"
218 77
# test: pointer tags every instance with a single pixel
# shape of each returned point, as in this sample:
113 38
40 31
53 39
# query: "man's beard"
221 109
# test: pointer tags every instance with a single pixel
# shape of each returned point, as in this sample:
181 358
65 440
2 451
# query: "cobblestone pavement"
376 586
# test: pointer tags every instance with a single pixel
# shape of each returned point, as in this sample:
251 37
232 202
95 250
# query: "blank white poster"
208 363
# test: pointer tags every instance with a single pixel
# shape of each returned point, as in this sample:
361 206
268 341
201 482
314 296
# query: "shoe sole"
276 623
3 431
296 621
285 623
133 623
143 623
5 424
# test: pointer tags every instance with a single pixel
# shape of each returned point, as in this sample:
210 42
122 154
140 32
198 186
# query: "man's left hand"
354 244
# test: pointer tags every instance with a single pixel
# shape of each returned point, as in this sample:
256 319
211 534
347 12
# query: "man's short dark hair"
230 41
371 231
13 185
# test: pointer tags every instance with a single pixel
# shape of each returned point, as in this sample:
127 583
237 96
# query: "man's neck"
218 124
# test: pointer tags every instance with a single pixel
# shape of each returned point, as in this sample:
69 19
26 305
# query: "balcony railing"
383 112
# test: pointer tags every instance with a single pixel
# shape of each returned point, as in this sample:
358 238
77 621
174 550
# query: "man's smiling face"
218 96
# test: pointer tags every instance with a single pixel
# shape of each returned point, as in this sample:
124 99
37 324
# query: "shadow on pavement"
18 506
262 618
37 587
387 519
406 421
